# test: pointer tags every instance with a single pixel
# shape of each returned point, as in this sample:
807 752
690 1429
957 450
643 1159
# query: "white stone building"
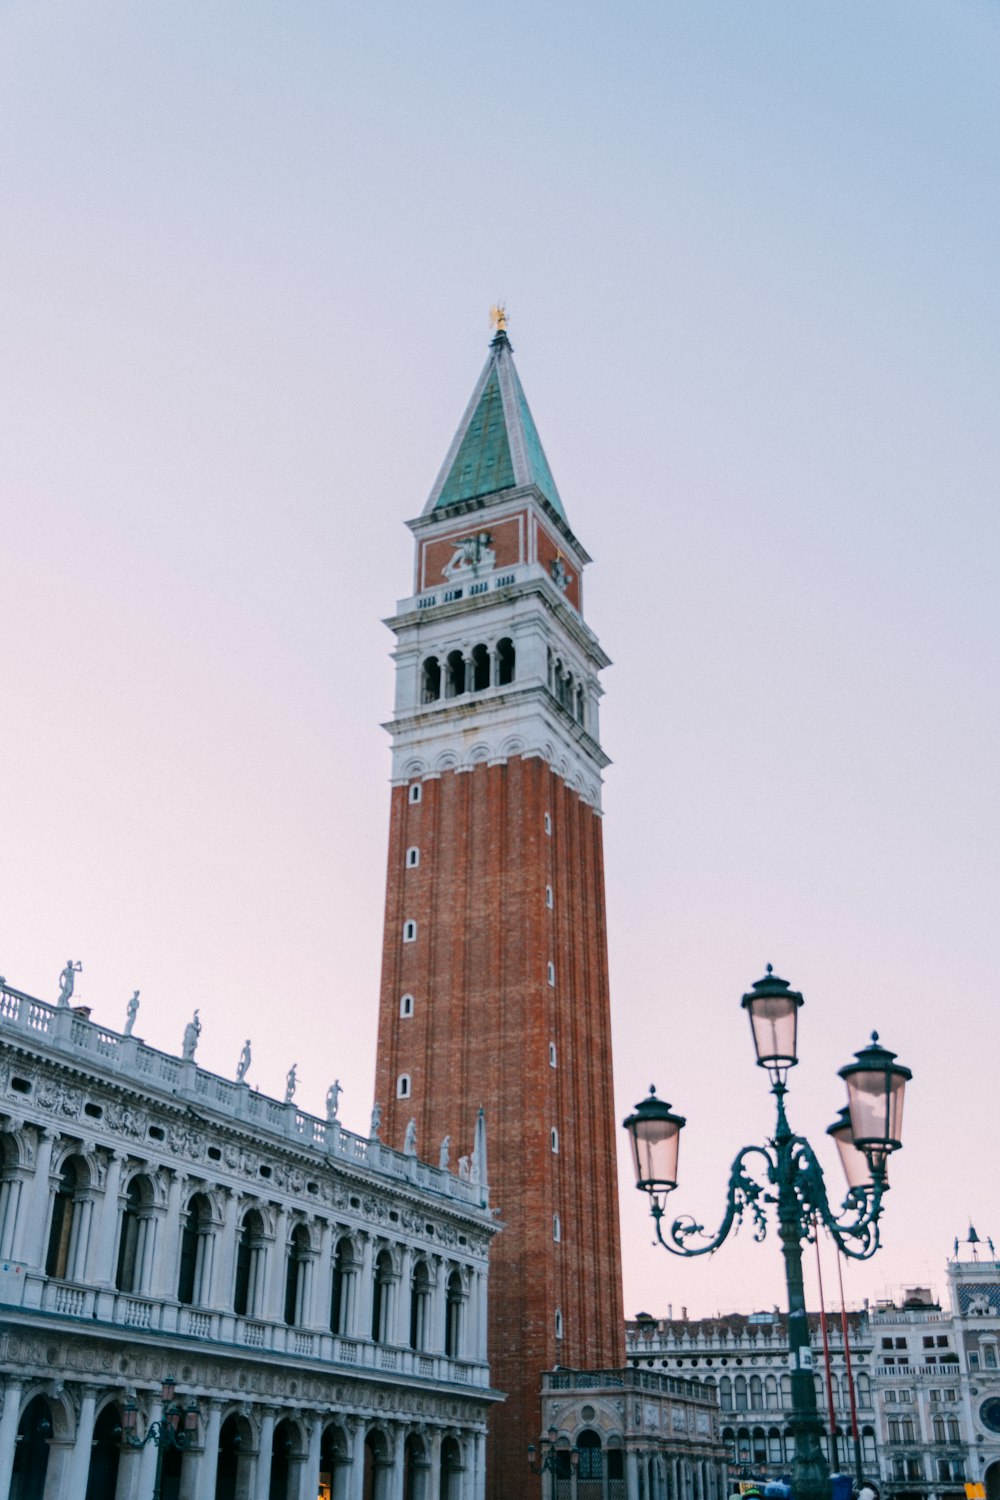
743 1357
938 1382
319 1299
630 1434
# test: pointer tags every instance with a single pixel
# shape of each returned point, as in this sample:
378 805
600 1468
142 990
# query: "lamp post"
177 1427
792 1180
561 1463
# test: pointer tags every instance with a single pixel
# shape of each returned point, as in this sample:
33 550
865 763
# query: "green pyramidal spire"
497 446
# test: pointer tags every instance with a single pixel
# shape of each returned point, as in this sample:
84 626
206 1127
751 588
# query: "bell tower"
494 970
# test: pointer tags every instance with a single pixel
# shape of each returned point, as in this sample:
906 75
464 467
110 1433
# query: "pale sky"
750 256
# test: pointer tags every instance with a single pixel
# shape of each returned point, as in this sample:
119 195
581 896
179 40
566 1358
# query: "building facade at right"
937 1382
925 1376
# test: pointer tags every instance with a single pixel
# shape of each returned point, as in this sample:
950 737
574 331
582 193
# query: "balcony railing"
99 1308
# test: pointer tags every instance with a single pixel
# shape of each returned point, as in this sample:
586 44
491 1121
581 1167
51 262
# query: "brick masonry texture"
483 1019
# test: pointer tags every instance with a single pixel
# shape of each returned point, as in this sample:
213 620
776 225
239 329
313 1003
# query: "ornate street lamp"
561 1463
177 1427
866 1134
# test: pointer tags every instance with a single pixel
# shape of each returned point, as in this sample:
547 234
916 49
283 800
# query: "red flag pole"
835 1465
850 1376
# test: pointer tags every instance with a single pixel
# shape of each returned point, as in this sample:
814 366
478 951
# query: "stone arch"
334 1459
198 1228
446 761
385 1276
235 1458
251 1250
430 679
377 1458
514 745
452 1467
456 1296
345 1267
298 1253
68 1227
479 752
213 1196
287 1457
153 1185
105 1456
15 1150
35 1429
414 768
422 1281
416 1466
265 1211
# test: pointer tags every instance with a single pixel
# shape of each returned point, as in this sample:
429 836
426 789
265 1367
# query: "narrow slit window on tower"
548 897
409 932
406 1006
412 857
403 1086
505 661
416 792
556 1228
480 669
548 823
550 972
552 1055
559 1323
431 682
456 674
554 1138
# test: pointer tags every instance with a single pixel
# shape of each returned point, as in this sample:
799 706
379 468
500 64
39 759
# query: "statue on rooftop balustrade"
291 1079
192 1032
333 1094
410 1139
131 1013
67 979
244 1062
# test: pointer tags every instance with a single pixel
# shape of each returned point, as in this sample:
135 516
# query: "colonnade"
60 1442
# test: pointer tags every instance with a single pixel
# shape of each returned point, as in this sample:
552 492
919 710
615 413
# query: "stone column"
163 1282
273 1306
10 1198
79 1459
479 1284
356 1482
79 1239
39 1216
101 1267
632 1476
261 1486
395 1486
144 1271
8 1431
435 1312
400 1330
317 1313
208 1459
309 1468
219 1294
363 1309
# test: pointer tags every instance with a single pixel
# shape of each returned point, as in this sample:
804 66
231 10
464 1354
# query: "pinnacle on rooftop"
497 446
